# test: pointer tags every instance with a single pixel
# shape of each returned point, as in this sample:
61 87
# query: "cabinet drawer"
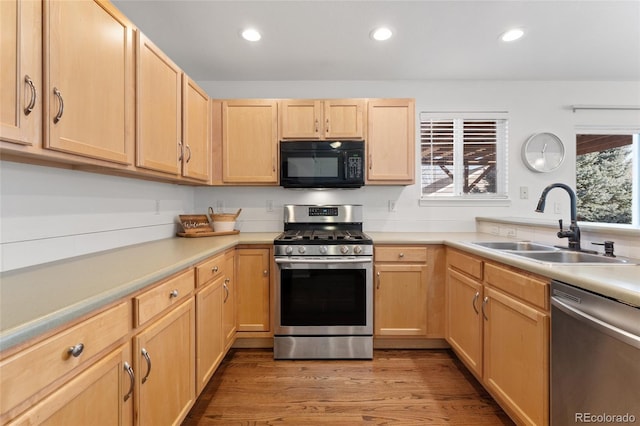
520 284
400 254
464 262
160 297
210 269
31 370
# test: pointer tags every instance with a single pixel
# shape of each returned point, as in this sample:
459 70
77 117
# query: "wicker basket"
223 222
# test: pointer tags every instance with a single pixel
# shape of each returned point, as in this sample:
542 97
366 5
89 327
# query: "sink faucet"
573 234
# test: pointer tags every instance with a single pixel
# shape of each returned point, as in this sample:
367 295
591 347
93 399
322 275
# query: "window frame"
501 197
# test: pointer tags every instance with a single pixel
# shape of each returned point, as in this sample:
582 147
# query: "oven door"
323 296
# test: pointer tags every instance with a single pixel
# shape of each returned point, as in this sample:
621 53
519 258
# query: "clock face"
543 152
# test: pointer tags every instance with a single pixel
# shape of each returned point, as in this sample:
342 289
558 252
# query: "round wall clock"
543 152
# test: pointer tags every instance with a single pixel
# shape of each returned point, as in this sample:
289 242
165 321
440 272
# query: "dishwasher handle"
613 331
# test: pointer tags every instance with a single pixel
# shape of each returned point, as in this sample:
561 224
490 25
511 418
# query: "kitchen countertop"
41 298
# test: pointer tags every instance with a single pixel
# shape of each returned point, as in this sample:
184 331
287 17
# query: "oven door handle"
324 261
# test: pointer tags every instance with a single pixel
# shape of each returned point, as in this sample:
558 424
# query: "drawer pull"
132 379
484 302
473 302
401 255
146 356
173 294
214 269
378 284
76 351
226 290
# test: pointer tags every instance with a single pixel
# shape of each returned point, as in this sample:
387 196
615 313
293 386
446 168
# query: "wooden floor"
399 387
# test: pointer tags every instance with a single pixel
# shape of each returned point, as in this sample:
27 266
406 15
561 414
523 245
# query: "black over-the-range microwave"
321 164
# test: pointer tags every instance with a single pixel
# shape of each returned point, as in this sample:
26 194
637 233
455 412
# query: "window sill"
457 202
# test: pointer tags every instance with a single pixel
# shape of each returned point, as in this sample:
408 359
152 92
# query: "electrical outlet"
219 206
392 206
557 208
269 206
524 193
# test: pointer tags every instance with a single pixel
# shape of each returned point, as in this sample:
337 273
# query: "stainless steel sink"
516 246
568 257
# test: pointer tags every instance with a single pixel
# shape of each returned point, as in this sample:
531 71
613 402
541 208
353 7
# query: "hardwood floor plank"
397 387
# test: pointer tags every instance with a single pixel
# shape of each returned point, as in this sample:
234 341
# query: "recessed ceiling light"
381 34
512 35
251 35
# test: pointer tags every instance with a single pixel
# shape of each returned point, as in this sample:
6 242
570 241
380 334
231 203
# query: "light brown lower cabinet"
165 367
229 300
253 277
100 395
209 334
498 324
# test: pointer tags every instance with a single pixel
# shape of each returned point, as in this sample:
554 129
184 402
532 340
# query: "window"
607 178
463 157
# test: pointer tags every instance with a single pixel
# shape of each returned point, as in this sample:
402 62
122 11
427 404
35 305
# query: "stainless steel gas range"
324 284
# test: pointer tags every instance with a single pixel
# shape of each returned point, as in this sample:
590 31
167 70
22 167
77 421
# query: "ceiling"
329 40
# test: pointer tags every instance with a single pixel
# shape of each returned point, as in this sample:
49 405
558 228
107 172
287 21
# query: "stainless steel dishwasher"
595 358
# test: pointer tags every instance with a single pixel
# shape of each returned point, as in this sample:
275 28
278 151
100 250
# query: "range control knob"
323 249
288 249
302 249
344 249
357 249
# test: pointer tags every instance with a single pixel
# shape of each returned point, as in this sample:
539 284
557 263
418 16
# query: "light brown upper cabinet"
21 72
196 131
158 109
89 75
322 119
391 142
250 141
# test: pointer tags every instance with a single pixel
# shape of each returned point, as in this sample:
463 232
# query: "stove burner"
322 235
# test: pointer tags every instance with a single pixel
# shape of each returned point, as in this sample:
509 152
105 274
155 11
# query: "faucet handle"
608 248
560 223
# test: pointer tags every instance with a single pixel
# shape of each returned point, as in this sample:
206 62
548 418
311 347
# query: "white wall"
533 107
48 214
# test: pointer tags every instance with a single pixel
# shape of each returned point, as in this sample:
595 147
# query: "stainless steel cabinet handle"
378 284
215 269
61 107
317 123
34 95
146 356
76 350
370 162
327 125
132 377
475 297
484 302
273 164
188 152
180 151
226 291
173 294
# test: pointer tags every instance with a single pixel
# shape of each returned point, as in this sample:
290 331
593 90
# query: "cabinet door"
158 108
464 319
301 119
100 395
196 131
21 72
88 66
165 357
253 279
229 320
391 141
209 338
250 141
516 362
400 300
343 119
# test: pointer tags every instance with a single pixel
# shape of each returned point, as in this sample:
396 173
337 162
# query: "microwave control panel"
354 166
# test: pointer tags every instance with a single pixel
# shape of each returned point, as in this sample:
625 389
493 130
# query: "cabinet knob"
173 294
401 255
265 272
76 350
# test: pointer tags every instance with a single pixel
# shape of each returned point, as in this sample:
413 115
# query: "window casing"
463 156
